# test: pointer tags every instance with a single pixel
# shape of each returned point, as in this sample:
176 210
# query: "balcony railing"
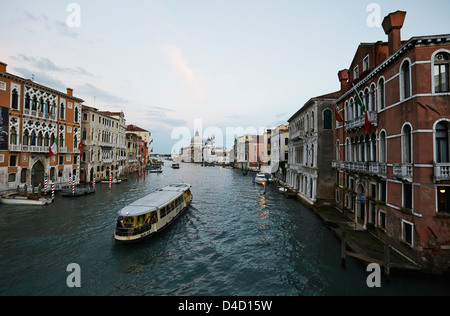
442 171
370 168
403 171
361 121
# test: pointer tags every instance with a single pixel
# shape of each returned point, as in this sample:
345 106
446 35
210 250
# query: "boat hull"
42 201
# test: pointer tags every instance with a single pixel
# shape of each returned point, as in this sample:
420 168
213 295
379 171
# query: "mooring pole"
343 249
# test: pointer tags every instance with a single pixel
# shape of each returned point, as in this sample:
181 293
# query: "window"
407 195
406 144
13 137
383 147
366 63
441 139
441 73
405 80
12 177
15 99
383 191
13 160
382 219
372 103
356 72
407 232
27 101
61 111
381 94
76 114
327 119
443 199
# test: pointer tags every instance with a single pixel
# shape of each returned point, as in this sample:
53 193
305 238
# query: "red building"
392 154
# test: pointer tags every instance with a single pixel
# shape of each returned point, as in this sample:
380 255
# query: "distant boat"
245 173
152 213
260 178
156 169
25 199
113 181
176 166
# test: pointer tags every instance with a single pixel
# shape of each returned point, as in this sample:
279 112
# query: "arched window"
405 80
15 99
338 150
61 111
25 139
383 152
327 119
13 137
441 73
346 111
381 94
372 98
406 144
34 104
441 140
27 101
76 114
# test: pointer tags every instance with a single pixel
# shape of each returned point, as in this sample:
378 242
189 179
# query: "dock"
359 243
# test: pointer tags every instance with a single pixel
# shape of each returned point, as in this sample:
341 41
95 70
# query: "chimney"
70 92
3 67
392 25
343 79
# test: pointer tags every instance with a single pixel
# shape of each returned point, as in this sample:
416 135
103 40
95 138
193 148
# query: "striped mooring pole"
53 189
110 179
45 184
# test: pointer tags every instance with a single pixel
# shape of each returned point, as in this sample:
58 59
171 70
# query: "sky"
223 67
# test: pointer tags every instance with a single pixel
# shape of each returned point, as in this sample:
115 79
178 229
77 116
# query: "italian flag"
366 115
53 149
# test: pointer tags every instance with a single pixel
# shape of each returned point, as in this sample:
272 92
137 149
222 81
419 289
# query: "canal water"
233 240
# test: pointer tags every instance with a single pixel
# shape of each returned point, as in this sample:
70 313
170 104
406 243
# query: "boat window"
128 221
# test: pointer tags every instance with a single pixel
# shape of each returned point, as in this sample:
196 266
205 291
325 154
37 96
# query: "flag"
364 110
53 149
337 115
80 147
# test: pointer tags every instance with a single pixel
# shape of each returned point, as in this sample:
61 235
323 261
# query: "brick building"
392 162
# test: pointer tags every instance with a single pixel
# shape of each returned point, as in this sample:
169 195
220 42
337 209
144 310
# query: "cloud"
41 78
45 64
92 91
183 70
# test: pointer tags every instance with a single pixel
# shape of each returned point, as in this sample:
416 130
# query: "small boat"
282 189
176 166
113 181
25 199
152 213
157 169
261 179
77 191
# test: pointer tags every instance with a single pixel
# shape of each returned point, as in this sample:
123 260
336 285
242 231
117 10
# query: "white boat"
152 213
260 178
25 199
113 181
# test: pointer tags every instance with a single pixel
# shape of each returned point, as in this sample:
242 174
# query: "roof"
153 201
134 128
329 96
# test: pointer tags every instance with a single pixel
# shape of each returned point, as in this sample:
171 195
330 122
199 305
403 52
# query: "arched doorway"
37 174
91 175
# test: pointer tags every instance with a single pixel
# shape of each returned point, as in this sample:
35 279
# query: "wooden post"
343 249
387 261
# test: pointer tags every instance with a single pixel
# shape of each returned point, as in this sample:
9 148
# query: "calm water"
233 240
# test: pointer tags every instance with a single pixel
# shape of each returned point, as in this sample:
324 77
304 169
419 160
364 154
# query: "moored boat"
113 181
25 199
152 213
176 166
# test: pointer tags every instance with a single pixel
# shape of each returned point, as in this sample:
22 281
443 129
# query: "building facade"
103 135
33 117
392 161
145 135
309 171
279 151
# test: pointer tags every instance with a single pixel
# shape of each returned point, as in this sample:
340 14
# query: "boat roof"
154 200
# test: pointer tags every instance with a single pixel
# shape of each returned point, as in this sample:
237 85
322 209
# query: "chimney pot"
3 67
343 76
70 92
392 25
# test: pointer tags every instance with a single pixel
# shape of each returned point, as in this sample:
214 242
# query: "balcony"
15 147
361 121
442 171
403 171
39 149
369 168
297 135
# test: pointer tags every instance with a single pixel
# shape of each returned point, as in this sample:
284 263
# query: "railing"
371 168
442 171
133 231
15 147
361 121
403 171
